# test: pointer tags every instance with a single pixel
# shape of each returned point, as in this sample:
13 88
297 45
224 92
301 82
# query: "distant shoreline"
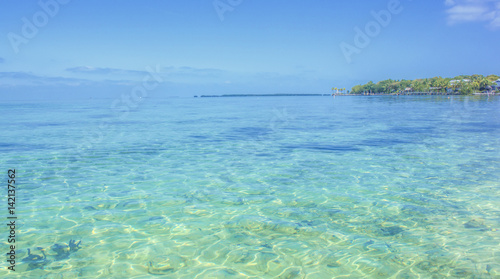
330 95
415 94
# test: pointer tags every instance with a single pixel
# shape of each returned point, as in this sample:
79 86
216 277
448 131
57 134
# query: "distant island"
463 85
459 85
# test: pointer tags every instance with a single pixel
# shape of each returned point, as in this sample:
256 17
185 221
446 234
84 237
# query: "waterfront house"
455 81
496 85
435 89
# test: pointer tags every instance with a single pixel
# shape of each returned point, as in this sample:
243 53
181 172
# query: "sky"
104 48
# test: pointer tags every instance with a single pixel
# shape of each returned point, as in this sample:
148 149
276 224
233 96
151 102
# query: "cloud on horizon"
103 71
12 79
176 80
88 75
167 71
461 11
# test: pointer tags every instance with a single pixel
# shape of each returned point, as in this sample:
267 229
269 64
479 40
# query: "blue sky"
74 48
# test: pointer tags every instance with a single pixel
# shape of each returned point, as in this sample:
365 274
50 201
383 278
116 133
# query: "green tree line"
463 84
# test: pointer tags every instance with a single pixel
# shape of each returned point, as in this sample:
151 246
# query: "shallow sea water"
269 187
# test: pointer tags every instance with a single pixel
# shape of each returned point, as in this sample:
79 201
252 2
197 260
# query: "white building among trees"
496 86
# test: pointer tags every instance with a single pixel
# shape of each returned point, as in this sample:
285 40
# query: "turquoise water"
270 187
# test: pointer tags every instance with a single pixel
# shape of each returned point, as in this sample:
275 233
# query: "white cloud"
495 23
100 70
460 11
449 2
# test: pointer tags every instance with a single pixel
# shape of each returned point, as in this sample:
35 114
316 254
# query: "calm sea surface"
269 187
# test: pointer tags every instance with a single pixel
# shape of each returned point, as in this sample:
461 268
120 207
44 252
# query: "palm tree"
475 86
484 83
370 86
